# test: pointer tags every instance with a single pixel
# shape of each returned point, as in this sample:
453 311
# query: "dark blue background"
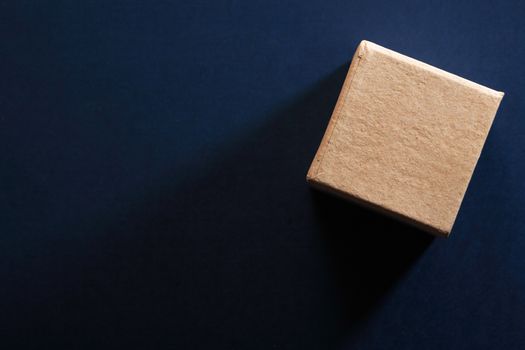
153 159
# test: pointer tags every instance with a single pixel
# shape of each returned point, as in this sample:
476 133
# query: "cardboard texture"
404 138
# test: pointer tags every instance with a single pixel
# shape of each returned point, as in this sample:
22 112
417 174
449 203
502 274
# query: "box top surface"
405 137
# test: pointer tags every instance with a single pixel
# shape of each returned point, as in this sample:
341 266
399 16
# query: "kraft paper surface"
404 138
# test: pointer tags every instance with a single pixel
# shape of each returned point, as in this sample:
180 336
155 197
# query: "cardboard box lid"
404 138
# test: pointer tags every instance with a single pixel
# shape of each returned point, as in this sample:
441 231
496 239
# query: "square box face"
404 138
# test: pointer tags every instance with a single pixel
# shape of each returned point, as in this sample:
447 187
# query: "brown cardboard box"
404 138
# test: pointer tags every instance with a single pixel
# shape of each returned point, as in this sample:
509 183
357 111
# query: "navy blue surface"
152 181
